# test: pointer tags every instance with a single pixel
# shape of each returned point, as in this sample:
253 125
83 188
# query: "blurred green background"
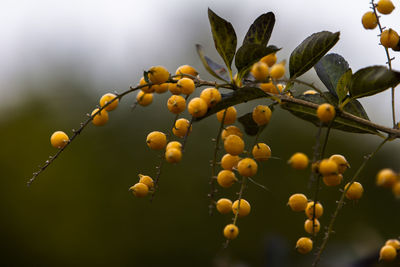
79 211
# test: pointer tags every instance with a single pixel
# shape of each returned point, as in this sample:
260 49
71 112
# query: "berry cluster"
390 250
387 178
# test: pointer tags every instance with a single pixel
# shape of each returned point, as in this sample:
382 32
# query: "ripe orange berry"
355 191
174 88
369 20
247 167
270 59
394 243
328 167
259 70
269 88
107 98
261 152
139 190
228 162
230 115
304 245
332 179
387 253
310 227
173 155
211 96
261 115
341 162
158 74
396 189
147 180
234 145
186 69
389 38
326 112
319 210
385 7
59 139
174 144
298 161
176 104
187 86
224 205
100 118
242 207
231 231
231 130
156 140
386 178
277 70
298 202
145 89
197 107
161 88
181 128
226 178
144 99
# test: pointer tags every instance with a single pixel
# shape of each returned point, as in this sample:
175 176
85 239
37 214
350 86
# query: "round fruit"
147 180
277 71
174 144
144 99
387 253
385 7
332 179
211 96
234 145
139 190
156 140
187 86
242 207
145 89
100 118
270 59
174 89
304 245
161 88
259 71
394 243
355 191
230 115
389 38
176 104
173 155
197 107
369 20
386 178
326 112
107 98
269 88
328 167
310 227
231 231
186 69
261 152
341 162
59 139
226 178
298 161
298 202
261 114
158 74
181 128
319 210
231 130
228 162
247 167
224 205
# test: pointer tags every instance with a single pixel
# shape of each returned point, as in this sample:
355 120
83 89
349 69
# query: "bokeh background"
59 57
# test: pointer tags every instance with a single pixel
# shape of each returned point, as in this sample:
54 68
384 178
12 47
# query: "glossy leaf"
213 68
310 51
342 87
329 70
261 29
372 80
224 37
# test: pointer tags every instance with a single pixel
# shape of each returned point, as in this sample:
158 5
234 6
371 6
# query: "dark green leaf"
250 126
354 107
248 54
213 68
224 37
310 51
372 80
342 87
146 76
261 29
329 70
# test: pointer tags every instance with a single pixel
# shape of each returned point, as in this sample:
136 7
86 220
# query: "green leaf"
213 68
342 87
250 126
146 76
224 37
261 29
354 107
329 70
310 51
249 54
372 80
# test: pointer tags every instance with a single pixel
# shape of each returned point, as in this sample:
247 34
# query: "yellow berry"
197 107
310 92
332 179
387 253
174 144
341 162
139 190
355 191
242 207
369 20
224 205
156 140
298 161
234 145
186 69
304 245
259 70
310 227
145 89
261 152
319 210
230 115
326 112
173 155
247 167
181 128
396 189
269 88
211 96
226 178
386 178
176 104
147 180
100 118
270 59
389 38
59 139
231 231
228 162
174 88
161 88
158 74
298 202
261 115
107 98
385 7
187 86
327 167
394 243
144 99
277 71
231 130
